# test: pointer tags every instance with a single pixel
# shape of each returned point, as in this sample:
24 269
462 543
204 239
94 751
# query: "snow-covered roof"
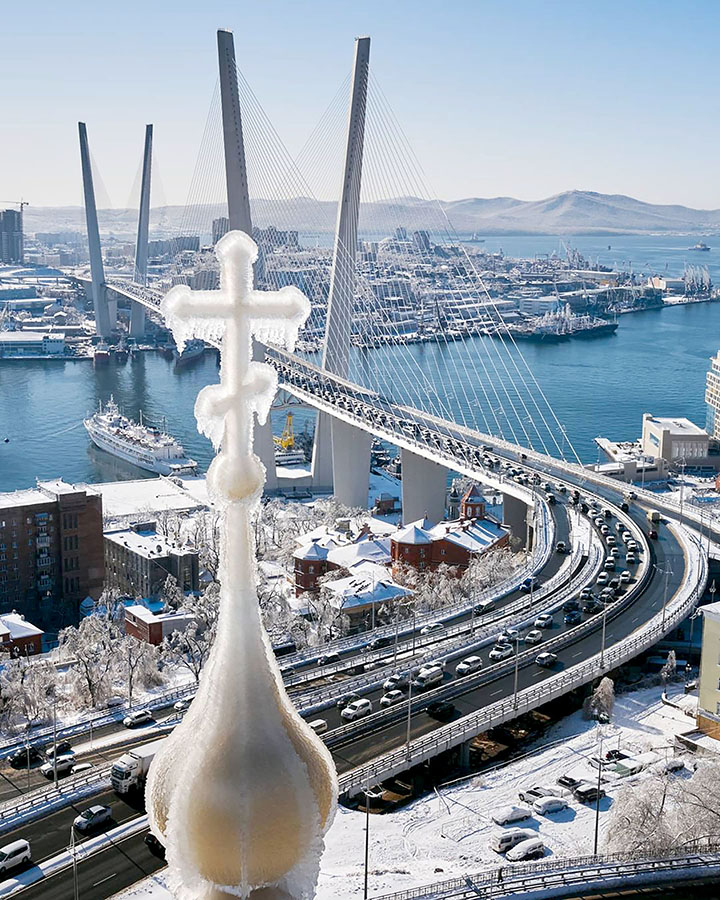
313 550
712 610
363 590
376 550
414 533
475 535
18 627
152 495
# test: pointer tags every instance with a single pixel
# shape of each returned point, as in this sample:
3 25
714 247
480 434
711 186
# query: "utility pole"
517 666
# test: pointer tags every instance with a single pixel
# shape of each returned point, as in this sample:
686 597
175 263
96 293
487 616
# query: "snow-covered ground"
446 834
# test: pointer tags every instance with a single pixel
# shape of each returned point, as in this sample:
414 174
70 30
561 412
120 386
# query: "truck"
128 774
653 516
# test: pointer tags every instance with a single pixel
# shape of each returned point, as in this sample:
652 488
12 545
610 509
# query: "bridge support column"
424 486
464 755
322 456
350 463
515 516
105 316
137 310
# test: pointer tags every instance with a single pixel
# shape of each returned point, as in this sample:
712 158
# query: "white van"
12 855
505 840
319 726
428 677
531 849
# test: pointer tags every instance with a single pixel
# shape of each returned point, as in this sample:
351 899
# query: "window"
311 570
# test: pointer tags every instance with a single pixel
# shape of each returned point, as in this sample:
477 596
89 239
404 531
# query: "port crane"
286 441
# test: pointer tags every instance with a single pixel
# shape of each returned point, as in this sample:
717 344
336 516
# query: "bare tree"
140 659
600 704
93 646
669 670
190 648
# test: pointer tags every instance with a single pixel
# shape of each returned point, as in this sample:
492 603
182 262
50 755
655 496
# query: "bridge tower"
341 452
137 310
105 312
238 199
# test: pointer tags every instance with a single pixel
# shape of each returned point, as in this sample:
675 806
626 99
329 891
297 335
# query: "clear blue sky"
498 97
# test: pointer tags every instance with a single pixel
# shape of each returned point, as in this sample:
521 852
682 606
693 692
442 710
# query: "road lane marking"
103 880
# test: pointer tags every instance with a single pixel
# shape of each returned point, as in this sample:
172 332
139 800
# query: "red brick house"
423 545
152 627
18 636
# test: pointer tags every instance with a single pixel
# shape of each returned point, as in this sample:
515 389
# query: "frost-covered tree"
599 705
27 691
139 660
190 648
669 670
93 647
171 594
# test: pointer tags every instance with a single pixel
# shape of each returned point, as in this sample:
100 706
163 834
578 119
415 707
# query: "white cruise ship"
143 446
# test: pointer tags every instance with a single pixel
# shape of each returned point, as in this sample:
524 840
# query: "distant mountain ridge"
571 212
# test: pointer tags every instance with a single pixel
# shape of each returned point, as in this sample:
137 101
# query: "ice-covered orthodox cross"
235 314
242 791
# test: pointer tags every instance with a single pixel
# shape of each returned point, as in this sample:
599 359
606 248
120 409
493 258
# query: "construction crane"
286 441
21 203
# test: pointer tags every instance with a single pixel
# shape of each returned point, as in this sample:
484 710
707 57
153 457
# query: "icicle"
243 790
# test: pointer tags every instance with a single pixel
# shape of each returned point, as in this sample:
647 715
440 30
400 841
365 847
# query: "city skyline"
606 99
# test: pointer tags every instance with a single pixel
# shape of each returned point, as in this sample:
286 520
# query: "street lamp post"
602 645
76 886
517 660
597 799
55 741
409 717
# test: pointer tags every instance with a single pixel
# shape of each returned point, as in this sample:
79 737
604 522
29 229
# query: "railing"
590 872
462 730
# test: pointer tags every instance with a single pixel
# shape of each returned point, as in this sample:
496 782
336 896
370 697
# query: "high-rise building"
51 551
712 397
219 228
11 236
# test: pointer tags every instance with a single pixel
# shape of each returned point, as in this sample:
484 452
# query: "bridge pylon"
331 466
238 199
137 310
105 312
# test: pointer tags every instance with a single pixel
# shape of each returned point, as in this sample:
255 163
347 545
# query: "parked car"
530 849
138 717
568 781
536 792
505 840
586 792
507 814
442 710
92 817
547 805
391 698
469 665
61 748
500 652
64 765
13 855
573 618
544 620
356 710
433 628
25 756
535 636
546 659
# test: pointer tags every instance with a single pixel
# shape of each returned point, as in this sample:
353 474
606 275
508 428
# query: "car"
396 681
547 805
611 541
630 559
529 795
26 756
603 578
609 565
183 704
652 534
508 636
571 605
615 755
81 767
92 817
64 765
328 659
562 488
507 814
432 628
587 792
546 659
507 838
13 855
380 642
391 698
568 781
319 726
632 546
468 665
358 709
529 584
139 717
544 620
154 845
591 606
530 849
442 710
573 617
551 499
604 530
534 636
599 521
625 576
61 748
561 547
484 606
346 701
500 652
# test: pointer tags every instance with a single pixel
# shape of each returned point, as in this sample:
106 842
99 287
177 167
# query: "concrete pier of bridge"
518 517
424 488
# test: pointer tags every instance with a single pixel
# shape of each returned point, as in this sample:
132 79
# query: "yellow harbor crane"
286 441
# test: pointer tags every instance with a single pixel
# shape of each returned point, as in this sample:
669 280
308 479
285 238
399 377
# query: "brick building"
138 561
423 545
145 625
51 551
334 550
18 636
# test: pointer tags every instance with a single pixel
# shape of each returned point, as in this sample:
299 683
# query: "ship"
192 350
699 246
557 326
136 443
101 355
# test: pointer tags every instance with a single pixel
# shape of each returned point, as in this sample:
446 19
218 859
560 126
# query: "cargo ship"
556 326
